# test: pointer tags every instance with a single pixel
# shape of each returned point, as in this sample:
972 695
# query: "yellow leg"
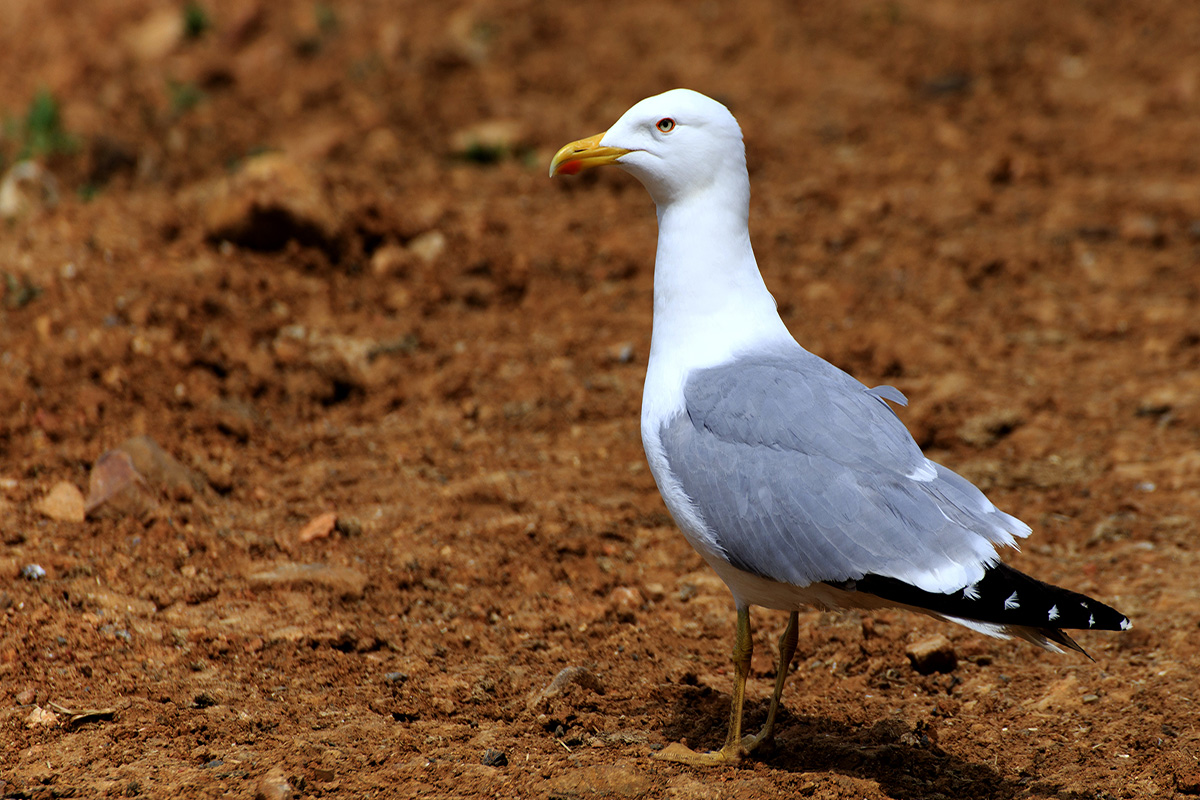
733 749
787 649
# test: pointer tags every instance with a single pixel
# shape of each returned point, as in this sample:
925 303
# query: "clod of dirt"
273 786
270 202
570 676
986 429
64 503
931 655
602 781
162 470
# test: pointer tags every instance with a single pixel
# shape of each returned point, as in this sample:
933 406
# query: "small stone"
390 260
1091 698
428 246
494 758
317 528
26 187
346 582
623 603
41 718
26 696
273 786
115 484
932 655
64 503
156 36
566 677
396 677
33 572
323 774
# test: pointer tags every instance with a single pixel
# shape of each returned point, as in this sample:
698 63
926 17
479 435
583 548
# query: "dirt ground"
287 260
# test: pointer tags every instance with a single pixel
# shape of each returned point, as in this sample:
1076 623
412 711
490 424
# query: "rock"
428 246
317 528
271 201
624 602
566 677
33 572
64 502
156 36
494 758
602 781
26 696
273 786
345 582
932 655
389 260
26 187
115 484
41 718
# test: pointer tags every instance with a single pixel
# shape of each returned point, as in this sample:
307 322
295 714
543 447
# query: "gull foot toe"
678 754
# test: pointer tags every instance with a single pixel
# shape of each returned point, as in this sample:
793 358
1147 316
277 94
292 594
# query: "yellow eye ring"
666 125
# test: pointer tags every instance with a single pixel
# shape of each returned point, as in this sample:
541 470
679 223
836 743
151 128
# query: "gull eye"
666 125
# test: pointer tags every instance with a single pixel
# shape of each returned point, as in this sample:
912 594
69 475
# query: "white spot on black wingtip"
1053 613
1091 620
1011 602
1126 624
971 592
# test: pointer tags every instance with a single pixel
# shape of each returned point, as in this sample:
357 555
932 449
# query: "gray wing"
804 474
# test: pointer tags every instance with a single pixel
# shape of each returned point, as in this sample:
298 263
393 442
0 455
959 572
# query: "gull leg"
787 649
733 750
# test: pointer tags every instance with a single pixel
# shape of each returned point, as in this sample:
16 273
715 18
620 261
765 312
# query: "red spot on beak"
569 168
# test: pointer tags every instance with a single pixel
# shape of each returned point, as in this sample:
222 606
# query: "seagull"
799 485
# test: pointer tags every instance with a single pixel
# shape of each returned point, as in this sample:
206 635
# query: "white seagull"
795 482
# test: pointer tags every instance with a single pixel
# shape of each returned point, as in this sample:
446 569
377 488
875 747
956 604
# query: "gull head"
677 144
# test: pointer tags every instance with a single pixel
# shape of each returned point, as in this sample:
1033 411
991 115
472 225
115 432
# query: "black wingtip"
1006 597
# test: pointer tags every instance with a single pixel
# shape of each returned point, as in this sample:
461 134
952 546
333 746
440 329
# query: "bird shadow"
900 758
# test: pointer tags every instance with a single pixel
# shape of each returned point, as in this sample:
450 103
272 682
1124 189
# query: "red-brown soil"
313 254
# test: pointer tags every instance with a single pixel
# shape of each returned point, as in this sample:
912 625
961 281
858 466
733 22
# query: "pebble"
931 655
115 484
41 718
566 677
33 572
494 758
26 187
346 582
624 602
273 786
26 696
64 502
317 528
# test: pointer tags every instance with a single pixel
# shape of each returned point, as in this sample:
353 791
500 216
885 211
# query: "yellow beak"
584 154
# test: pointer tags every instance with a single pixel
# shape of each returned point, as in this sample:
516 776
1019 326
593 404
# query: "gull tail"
1005 602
